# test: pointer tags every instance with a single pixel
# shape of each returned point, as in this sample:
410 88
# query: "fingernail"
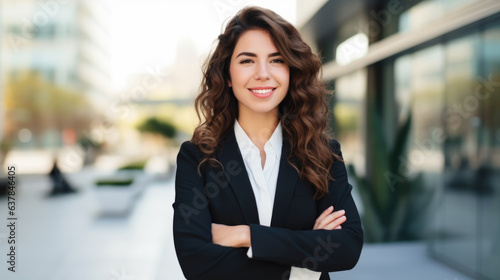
342 211
330 208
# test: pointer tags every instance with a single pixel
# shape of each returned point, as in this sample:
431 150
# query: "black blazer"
226 197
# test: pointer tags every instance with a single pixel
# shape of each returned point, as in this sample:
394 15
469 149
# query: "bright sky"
145 33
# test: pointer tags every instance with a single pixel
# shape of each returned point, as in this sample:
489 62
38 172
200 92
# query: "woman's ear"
229 84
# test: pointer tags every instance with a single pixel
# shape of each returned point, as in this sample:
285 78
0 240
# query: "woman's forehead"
257 41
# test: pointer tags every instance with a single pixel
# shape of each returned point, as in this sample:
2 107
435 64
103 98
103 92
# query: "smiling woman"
257 185
257 67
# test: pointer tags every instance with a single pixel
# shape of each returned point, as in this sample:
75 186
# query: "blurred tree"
158 136
156 126
38 105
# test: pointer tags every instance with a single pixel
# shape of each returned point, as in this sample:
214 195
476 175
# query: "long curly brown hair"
303 113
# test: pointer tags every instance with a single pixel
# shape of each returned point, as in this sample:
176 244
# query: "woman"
257 185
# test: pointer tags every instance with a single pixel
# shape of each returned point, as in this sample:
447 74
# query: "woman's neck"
258 127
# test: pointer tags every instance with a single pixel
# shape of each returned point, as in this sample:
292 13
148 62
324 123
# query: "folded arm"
334 244
318 250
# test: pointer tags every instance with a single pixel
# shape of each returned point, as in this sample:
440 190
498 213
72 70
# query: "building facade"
415 86
67 43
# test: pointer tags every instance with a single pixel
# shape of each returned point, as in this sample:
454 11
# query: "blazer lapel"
287 179
230 157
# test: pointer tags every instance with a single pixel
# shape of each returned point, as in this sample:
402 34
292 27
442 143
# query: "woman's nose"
262 73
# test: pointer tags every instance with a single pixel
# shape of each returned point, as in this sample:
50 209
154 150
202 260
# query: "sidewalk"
62 238
398 261
65 237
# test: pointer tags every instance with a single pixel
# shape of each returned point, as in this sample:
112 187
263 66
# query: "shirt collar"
246 145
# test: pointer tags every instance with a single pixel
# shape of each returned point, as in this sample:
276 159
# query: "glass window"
427 88
350 91
418 93
452 92
402 88
487 91
459 204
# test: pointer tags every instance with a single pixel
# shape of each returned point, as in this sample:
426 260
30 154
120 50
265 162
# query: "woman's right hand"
330 220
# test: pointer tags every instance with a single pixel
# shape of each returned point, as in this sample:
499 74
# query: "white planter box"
119 199
114 199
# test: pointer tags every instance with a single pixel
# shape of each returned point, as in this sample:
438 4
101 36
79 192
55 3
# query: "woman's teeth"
262 91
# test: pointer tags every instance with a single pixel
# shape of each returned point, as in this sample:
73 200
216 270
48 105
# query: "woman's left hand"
231 236
330 220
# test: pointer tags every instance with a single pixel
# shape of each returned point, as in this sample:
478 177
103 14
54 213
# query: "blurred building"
426 74
66 42
168 93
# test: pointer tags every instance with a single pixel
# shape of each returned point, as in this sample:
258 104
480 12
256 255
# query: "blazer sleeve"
318 250
199 258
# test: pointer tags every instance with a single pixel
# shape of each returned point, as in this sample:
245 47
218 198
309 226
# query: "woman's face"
259 76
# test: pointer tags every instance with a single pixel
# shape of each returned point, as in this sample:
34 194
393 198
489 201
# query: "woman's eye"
278 60
245 61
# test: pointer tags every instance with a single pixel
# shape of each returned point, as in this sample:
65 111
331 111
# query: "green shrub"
114 182
138 165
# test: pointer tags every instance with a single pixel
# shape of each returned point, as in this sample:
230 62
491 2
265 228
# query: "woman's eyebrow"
254 55
247 54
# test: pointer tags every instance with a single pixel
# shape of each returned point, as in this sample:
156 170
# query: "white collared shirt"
264 181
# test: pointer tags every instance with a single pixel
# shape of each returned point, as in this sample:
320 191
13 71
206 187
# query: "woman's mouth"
262 92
